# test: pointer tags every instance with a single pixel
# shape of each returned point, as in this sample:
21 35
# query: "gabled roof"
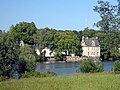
90 41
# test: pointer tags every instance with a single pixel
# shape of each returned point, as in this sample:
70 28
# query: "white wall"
91 51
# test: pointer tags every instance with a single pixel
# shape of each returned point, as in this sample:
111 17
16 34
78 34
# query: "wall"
91 51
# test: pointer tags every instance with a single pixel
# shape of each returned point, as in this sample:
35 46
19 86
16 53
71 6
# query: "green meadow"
96 81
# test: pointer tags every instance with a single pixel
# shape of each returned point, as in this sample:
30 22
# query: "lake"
67 68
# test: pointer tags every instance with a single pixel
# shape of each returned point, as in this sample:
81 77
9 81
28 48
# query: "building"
90 47
48 52
37 51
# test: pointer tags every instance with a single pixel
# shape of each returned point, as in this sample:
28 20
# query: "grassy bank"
99 81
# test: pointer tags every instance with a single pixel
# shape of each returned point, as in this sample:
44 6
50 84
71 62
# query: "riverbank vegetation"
89 66
96 81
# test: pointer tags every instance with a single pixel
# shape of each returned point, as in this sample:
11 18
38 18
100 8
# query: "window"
93 53
97 48
93 43
97 53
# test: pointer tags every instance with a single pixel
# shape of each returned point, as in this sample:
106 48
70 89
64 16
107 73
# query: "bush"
116 67
88 66
38 74
3 78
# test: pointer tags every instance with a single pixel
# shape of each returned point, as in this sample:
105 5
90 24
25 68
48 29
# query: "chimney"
83 38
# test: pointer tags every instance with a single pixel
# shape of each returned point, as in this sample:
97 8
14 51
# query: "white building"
37 51
48 52
90 47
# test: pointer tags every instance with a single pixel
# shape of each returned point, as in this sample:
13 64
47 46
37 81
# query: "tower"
83 41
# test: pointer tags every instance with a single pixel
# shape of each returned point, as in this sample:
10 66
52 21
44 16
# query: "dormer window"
93 43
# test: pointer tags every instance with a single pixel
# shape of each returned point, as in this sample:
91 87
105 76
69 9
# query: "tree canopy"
24 31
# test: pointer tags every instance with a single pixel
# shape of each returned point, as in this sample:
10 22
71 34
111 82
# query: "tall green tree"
24 31
9 54
88 32
44 38
67 41
109 16
27 55
110 25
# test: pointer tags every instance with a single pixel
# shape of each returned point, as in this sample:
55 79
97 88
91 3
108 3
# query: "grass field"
99 81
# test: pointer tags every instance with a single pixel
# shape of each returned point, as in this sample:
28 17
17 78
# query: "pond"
67 68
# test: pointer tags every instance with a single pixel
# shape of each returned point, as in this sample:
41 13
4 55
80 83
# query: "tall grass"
99 81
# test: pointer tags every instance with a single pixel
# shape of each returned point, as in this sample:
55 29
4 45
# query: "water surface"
67 68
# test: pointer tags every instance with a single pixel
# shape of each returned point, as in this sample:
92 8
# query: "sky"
56 14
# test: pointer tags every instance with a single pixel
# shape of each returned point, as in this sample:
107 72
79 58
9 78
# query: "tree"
9 54
116 67
110 25
88 32
27 55
118 7
67 41
14 59
109 16
44 38
24 31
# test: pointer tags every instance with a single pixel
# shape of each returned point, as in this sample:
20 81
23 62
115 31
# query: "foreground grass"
99 81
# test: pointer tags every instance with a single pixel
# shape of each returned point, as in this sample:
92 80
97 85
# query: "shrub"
88 66
116 67
38 74
3 78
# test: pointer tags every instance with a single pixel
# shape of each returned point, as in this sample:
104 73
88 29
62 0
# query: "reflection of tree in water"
48 67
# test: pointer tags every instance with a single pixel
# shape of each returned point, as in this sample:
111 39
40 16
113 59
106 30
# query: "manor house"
90 47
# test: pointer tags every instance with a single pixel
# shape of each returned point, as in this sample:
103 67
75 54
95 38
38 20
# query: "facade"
48 52
90 47
37 51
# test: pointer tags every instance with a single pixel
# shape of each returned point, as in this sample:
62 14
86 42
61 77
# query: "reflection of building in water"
48 67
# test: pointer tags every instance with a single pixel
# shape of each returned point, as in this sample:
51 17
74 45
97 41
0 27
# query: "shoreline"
49 62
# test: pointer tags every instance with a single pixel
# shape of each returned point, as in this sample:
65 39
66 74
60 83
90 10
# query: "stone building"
90 47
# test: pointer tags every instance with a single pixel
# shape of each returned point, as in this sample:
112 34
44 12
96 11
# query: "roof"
91 42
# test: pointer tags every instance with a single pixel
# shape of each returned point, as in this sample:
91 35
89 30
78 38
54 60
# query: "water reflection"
66 68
